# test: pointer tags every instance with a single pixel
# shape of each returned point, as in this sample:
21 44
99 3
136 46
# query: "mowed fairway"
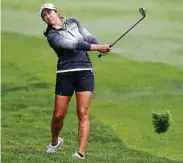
144 73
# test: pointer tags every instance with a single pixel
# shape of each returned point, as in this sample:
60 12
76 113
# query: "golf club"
143 13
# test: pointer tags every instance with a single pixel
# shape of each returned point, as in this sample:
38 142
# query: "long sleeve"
57 41
86 34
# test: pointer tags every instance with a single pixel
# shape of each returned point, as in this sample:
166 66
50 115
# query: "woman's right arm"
57 41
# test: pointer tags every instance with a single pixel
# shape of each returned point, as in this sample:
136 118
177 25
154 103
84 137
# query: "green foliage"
161 121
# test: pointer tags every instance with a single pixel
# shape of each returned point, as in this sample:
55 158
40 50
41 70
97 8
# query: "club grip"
100 55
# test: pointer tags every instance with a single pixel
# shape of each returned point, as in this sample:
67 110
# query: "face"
50 16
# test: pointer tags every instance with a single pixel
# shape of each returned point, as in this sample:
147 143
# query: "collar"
64 23
52 27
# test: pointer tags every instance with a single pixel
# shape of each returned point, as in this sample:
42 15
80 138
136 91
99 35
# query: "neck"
59 24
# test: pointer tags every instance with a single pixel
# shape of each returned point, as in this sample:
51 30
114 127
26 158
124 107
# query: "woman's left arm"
86 34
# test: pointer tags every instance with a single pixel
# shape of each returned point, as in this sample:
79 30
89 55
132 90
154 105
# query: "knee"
83 114
59 115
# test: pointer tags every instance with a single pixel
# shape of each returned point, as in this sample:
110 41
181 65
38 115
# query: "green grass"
27 101
107 8
127 91
156 38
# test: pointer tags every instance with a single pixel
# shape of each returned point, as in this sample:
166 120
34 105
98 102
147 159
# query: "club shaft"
100 55
125 33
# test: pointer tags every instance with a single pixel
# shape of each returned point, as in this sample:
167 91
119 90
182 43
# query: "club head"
142 12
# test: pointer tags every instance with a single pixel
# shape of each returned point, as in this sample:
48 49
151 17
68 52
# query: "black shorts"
78 81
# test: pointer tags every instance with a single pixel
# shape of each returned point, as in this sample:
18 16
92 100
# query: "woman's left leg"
83 103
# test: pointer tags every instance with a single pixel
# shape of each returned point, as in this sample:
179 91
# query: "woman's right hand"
104 48
101 48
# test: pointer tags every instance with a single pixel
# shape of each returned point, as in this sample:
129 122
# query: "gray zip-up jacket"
71 44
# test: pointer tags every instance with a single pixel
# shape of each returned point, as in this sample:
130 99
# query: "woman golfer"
70 41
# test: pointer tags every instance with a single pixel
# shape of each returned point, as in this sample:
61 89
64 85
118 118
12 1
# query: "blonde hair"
59 14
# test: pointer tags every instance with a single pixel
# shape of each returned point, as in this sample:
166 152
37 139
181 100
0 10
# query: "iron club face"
142 12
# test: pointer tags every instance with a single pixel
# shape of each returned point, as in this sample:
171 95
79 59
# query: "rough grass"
27 101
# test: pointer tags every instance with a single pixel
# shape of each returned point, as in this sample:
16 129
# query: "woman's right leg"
60 110
63 92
